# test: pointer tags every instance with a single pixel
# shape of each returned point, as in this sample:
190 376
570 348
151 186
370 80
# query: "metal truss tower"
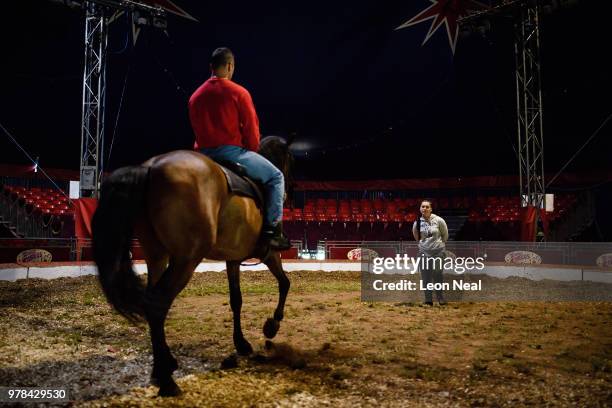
94 95
97 18
530 129
529 106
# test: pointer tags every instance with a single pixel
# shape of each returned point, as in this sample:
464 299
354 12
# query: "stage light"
160 22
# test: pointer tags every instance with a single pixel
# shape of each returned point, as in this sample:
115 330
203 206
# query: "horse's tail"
121 199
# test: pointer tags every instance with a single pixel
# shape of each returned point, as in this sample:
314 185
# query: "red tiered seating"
411 217
356 219
366 206
378 205
297 214
343 217
287 214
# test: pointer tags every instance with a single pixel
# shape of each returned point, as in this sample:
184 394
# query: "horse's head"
276 149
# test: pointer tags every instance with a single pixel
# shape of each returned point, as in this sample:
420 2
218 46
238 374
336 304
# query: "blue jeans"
260 169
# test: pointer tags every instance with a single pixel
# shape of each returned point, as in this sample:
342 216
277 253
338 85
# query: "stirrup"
275 239
279 243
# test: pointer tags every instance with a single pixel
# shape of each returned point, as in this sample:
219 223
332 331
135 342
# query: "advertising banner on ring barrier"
487 271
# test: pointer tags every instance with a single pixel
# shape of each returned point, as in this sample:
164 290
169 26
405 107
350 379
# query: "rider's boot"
274 237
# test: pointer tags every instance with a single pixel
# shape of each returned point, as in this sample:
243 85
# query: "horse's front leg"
243 347
276 267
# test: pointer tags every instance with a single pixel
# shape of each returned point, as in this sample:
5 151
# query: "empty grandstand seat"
366 207
397 217
411 217
345 217
321 217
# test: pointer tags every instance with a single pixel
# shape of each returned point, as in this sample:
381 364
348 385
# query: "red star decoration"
447 12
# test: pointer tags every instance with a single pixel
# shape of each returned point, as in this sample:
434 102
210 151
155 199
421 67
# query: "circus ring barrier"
561 261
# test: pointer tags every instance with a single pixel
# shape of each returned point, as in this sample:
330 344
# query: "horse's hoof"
243 347
271 328
169 389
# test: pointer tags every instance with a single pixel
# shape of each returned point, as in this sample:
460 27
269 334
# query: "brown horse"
179 207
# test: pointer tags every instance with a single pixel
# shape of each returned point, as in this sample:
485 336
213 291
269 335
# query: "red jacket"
222 113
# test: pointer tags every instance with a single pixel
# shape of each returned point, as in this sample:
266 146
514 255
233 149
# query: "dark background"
365 101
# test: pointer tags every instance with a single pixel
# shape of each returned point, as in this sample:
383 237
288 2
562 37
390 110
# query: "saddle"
240 184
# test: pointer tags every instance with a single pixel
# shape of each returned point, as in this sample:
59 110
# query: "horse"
179 207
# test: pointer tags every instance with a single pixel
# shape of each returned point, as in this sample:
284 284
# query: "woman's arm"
414 232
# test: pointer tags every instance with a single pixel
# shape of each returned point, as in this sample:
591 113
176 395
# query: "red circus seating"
36 197
402 212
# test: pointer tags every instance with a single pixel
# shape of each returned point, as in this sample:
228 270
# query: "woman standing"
431 232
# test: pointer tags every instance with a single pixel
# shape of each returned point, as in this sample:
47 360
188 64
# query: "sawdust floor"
332 349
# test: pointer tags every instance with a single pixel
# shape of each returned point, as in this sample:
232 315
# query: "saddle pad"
242 185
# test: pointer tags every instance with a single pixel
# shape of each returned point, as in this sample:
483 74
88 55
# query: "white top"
434 234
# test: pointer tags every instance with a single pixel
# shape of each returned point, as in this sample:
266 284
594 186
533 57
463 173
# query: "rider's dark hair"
418 220
220 57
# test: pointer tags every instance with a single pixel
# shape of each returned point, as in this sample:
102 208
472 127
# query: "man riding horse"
226 128
182 208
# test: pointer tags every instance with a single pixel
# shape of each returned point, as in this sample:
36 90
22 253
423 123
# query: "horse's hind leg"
243 347
159 299
276 267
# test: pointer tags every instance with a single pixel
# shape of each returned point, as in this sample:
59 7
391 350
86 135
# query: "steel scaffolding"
530 129
94 95
529 107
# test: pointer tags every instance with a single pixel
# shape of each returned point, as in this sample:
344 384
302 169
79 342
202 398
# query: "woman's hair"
418 220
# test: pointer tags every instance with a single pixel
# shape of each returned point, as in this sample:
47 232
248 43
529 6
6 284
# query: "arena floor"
332 349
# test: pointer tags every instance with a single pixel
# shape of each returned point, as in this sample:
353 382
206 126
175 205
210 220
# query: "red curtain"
528 223
84 210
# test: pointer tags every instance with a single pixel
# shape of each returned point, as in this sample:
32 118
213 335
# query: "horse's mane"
274 148
272 141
